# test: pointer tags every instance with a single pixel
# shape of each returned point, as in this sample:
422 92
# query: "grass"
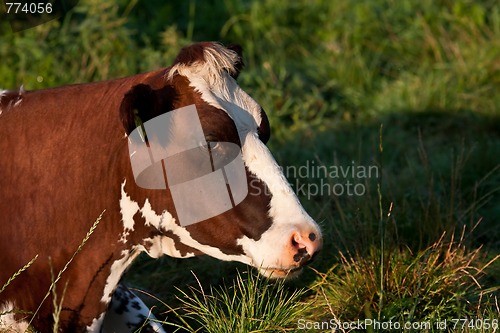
430 285
420 243
249 304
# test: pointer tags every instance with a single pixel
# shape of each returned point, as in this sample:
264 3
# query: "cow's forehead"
210 76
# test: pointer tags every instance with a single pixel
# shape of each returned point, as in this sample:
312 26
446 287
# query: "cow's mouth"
280 273
287 273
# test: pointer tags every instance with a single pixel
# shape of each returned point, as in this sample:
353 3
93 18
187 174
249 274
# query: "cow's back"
63 154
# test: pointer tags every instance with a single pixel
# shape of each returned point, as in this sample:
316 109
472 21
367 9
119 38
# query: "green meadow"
385 117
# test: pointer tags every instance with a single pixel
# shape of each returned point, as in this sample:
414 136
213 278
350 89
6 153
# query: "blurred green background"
411 87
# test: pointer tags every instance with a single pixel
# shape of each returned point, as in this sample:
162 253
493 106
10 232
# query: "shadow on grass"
440 170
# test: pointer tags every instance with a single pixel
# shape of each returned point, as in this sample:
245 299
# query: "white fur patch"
128 208
161 245
8 323
158 245
185 238
217 59
96 325
117 269
152 219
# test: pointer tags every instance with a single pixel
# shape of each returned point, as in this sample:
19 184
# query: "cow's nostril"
304 246
301 256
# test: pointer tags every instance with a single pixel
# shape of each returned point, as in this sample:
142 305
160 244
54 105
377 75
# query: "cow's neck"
144 227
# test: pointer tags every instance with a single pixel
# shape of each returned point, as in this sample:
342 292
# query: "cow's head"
268 229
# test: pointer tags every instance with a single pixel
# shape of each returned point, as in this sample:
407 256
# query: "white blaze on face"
220 90
285 210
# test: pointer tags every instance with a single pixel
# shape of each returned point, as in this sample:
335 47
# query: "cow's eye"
213 145
210 144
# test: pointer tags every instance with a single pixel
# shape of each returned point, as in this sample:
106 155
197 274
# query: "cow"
65 160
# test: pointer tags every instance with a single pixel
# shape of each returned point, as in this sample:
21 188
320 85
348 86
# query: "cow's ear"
239 63
264 129
142 103
137 102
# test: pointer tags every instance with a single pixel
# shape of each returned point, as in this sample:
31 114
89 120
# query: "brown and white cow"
64 159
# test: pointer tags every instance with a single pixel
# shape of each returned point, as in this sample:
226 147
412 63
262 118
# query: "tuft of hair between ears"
209 60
